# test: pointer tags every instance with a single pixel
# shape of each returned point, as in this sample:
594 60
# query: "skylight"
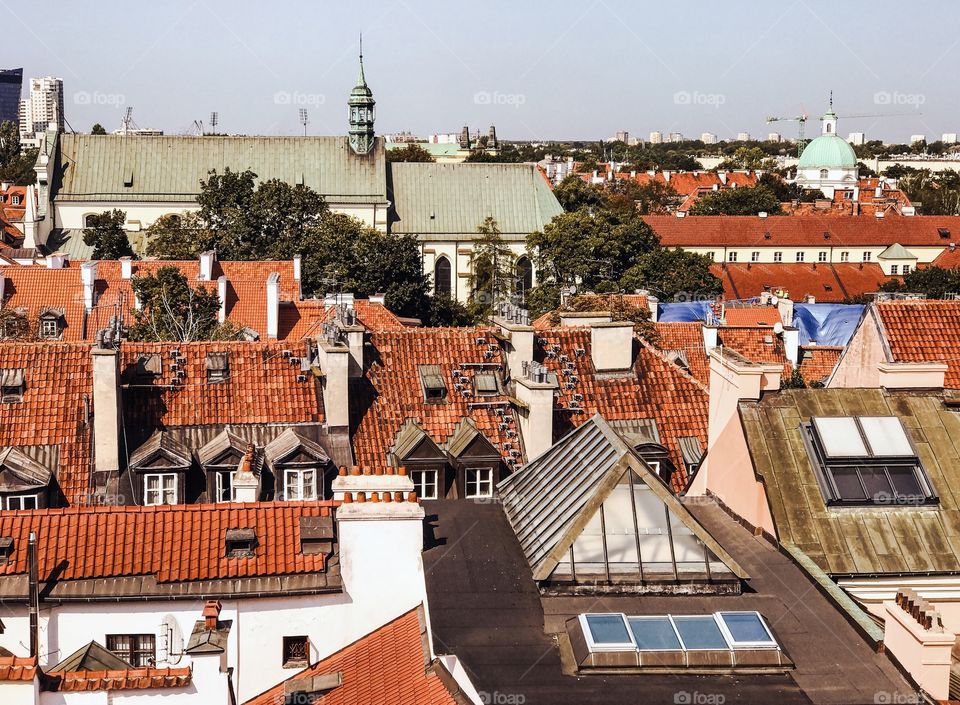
721 631
434 388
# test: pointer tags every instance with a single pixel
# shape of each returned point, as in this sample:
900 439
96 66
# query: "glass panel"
746 627
905 482
309 484
292 485
840 436
700 633
886 436
621 539
654 633
848 484
878 488
608 629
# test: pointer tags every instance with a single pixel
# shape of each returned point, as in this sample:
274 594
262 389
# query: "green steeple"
362 112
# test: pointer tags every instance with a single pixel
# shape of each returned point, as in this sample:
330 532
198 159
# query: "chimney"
791 344
211 614
222 295
711 337
355 335
333 358
534 392
88 277
380 299
126 267
246 486
653 303
56 260
517 340
106 414
785 307
912 375
611 346
206 265
297 267
913 632
273 305
30 219
382 485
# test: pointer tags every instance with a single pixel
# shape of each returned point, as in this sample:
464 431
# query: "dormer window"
160 488
148 367
434 388
6 549
11 386
867 460
241 543
218 367
51 324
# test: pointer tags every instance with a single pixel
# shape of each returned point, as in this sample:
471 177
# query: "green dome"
828 152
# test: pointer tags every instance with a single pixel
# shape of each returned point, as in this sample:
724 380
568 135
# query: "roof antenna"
831 100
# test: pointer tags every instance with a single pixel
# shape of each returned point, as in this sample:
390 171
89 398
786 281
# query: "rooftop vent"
11 385
434 388
316 535
241 543
944 233
218 366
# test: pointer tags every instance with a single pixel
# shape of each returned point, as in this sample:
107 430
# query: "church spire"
362 112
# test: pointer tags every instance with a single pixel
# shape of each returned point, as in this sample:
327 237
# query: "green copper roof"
828 152
896 251
168 169
436 201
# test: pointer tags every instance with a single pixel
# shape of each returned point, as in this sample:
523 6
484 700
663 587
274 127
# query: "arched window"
88 220
173 218
441 277
524 278
829 128
824 173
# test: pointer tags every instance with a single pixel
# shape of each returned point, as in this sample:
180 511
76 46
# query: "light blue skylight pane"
608 629
700 633
654 634
745 626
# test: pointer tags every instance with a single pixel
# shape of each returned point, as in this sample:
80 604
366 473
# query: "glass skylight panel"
608 631
840 437
746 629
700 633
886 436
654 634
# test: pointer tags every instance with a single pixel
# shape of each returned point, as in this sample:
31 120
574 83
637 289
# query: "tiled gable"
924 331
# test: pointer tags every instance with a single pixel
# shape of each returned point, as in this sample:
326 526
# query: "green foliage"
794 381
491 270
447 311
619 309
170 310
574 193
98 129
16 165
413 152
738 201
105 233
936 193
673 275
178 237
650 198
747 158
543 298
935 282
787 192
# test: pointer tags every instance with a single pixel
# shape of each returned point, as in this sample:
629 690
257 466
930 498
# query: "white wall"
458 253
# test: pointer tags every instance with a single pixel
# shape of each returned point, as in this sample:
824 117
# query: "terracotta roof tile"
37 288
304 319
688 338
818 362
827 283
751 316
130 679
150 541
924 331
386 666
17 668
756 343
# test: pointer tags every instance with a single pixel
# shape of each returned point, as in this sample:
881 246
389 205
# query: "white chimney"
273 305
88 277
380 299
206 265
666 176
126 267
785 307
611 346
711 337
246 486
333 358
633 173
355 336
722 175
518 344
879 215
791 345
762 214
106 411
222 295
56 260
297 267
653 303
535 391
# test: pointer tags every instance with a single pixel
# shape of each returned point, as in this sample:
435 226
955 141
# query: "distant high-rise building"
623 136
675 137
42 109
774 137
656 137
949 137
856 138
708 138
11 86
743 136
917 138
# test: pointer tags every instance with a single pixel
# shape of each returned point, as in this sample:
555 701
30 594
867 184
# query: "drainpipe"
34 596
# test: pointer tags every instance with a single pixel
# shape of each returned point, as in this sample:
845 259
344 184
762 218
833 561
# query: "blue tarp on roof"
683 312
826 324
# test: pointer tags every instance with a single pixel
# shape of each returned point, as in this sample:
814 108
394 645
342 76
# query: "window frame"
778 256
160 488
422 481
801 256
593 646
287 662
47 325
135 648
755 256
20 498
300 484
867 257
769 643
732 256
845 256
218 486
718 619
479 482
894 270
822 256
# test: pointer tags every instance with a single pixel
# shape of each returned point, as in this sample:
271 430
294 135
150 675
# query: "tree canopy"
738 201
98 129
935 282
105 233
171 310
16 164
491 270
412 152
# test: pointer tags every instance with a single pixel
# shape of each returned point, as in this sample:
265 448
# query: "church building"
828 163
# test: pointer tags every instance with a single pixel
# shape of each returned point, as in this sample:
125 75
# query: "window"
160 489
223 486
485 384
844 256
866 461
434 388
22 501
906 269
746 630
90 221
479 482
49 328
524 279
11 385
712 256
824 174
699 633
296 651
218 367
894 269
778 257
732 257
721 631
867 257
441 277
754 256
822 256
607 632
800 256
139 650
300 484
241 543
425 483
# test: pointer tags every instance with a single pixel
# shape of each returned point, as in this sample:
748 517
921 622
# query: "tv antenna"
304 120
214 119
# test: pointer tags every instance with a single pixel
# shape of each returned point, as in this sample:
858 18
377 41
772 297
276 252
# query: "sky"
560 69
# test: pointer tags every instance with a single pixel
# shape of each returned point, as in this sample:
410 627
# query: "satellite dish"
774 300
778 328
573 290
170 648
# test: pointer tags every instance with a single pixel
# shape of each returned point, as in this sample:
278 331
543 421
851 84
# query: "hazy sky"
553 69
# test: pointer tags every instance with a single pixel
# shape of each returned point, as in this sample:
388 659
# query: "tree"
178 237
491 270
673 274
935 282
105 233
650 198
171 310
16 165
747 158
738 201
574 193
787 192
619 308
412 152
98 129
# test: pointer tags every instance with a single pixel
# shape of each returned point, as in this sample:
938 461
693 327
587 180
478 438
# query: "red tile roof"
803 231
656 389
688 338
304 318
17 668
818 362
924 331
37 288
828 283
130 679
388 666
948 259
174 543
390 392
58 379
262 386
751 316
10 214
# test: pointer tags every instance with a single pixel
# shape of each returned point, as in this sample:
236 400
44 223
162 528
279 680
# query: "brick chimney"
535 389
913 632
211 614
88 277
273 305
246 486
611 346
333 358
106 413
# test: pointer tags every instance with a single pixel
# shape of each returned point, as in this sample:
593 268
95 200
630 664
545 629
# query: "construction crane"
801 121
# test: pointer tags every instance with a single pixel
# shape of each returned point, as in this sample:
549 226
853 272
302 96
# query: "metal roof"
220 444
287 442
18 472
161 442
434 201
170 168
